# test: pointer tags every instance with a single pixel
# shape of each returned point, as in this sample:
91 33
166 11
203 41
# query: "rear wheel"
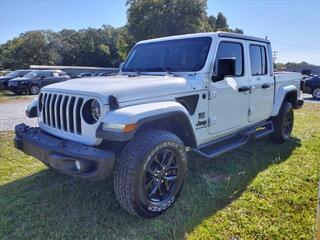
150 172
283 123
316 93
34 89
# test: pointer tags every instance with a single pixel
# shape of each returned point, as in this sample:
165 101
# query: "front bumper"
18 88
62 154
3 85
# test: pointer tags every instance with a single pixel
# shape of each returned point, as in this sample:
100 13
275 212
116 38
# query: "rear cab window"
258 60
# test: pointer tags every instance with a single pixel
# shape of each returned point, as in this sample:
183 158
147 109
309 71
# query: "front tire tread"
126 167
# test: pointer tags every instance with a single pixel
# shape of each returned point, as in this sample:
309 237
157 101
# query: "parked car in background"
18 73
32 82
312 85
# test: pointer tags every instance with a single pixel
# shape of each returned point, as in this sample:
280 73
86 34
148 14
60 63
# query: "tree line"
108 46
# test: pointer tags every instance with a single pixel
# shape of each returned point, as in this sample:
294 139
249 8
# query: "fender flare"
140 115
280 95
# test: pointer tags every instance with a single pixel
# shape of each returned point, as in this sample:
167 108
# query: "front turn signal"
129 128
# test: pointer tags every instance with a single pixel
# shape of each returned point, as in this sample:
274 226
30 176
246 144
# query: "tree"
221 23
108 46
29 48
159 18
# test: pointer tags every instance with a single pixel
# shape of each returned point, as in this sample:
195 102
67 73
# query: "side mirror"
42 77
226 67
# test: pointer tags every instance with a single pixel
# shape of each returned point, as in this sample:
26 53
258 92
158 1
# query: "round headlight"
96 110
91 111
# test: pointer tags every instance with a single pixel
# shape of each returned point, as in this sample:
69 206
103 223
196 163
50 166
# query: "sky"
292 26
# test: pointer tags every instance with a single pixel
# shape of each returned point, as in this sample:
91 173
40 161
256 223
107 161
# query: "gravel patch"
13 113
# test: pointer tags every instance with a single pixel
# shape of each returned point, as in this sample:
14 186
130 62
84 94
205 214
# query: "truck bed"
283 79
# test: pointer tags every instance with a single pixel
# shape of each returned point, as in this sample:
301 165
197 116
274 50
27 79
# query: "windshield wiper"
163 69
167 70
156 69
136 70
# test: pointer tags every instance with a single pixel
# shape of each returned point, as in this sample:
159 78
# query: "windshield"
13 74
33 74
182 55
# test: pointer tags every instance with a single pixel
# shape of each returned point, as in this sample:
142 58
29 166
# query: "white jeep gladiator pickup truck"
198 94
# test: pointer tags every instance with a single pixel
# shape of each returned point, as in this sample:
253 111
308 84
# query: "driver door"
228 103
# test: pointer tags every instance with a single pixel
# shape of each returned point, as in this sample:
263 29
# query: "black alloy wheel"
287 124
161 175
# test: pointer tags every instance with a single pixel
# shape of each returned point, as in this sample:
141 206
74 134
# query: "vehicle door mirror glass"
226 67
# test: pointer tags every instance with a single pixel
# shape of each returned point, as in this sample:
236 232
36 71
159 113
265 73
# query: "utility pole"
274 56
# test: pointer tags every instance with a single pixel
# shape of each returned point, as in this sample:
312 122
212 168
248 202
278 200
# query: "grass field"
260 191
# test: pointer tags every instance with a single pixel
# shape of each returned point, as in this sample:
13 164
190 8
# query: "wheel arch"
175 122
170 116
288 93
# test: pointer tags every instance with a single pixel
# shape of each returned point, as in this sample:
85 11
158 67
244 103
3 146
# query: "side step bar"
233 141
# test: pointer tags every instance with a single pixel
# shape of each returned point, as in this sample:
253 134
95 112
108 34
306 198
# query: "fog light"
77 164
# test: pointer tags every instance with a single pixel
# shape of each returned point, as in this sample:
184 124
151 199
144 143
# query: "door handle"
265 85
244 89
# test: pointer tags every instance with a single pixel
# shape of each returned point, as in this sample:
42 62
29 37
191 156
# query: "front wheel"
34 90
316 93
150 172
283 123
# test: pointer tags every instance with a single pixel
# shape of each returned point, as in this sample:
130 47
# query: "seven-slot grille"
61 111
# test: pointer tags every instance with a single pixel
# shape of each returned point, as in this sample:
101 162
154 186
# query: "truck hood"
2 79
124 87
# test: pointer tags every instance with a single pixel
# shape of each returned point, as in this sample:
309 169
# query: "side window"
231 50
258 60
62 74
47 74
55 74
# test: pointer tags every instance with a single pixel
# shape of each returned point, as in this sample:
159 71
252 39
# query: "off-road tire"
281 134
34 90
130 171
